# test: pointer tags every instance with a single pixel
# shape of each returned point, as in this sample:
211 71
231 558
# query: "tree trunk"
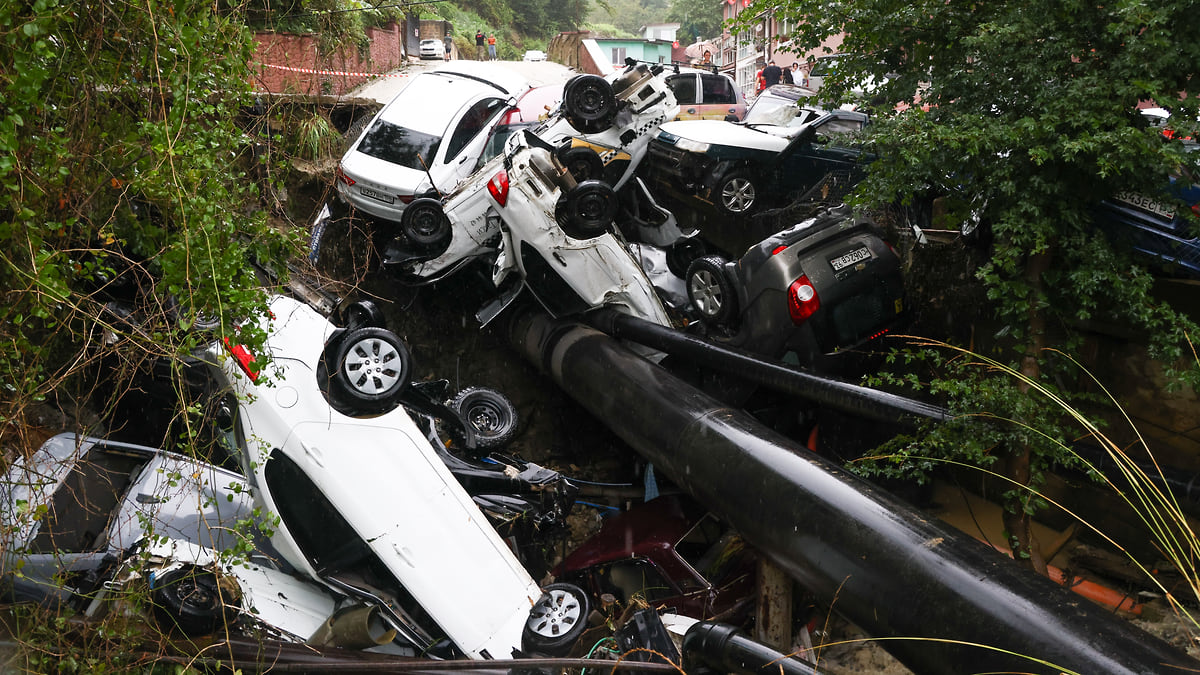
1017 522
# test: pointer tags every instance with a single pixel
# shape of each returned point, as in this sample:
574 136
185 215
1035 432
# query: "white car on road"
428 138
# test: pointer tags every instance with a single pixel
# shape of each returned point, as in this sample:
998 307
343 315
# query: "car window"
497 139
717 89
474 121
779 111
79 515
399 145
684 88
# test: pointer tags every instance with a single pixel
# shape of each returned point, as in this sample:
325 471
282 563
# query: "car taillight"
802 300
341 174
244 359
498 187
779 249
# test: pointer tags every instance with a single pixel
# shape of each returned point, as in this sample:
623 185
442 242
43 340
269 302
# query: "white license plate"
1146 204
847 259
368 192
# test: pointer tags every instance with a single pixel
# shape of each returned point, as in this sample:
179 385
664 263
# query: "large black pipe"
710 647
864 402
941 601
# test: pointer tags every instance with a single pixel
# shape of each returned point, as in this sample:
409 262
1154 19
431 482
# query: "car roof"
792 92
537 102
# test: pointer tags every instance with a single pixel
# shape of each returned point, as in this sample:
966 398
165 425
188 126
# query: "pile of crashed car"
398 524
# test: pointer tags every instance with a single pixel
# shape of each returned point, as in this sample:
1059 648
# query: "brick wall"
300 51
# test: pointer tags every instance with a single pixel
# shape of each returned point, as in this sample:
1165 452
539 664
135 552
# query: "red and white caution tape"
332 72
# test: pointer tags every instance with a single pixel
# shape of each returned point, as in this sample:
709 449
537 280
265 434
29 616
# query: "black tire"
360 314
193 600
587 210
681 254
425 225
710 292
491 416
370 369
556 620
589 103
583 163
736 194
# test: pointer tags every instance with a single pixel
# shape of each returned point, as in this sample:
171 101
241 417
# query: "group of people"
489 41
773 74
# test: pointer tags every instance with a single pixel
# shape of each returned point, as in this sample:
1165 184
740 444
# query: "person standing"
491 46
787 76
772 74
479 45
448 43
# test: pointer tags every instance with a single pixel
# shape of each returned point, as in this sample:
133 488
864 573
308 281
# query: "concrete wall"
288 63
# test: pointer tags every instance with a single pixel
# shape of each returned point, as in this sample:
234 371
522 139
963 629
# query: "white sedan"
428 138
534 55
367 507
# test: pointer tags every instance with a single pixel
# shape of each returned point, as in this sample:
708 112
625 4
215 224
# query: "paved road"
537 72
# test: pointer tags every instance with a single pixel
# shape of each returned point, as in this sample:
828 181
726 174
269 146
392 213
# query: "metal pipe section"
720 648
865 402
938 600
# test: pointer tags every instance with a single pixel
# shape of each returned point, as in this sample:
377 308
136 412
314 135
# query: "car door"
687 95
823 161
719 98
466 141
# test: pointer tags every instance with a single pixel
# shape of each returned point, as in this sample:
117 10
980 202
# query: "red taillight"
779 249
244 359
341 174
802 300
498 187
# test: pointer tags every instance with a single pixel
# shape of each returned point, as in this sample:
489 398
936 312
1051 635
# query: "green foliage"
121 155
1030 109
698 19
626 16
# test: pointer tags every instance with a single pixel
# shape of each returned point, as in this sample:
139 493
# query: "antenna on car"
429 175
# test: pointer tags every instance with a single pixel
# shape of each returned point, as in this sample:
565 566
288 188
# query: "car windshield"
78 518
823 67
399 145
779 111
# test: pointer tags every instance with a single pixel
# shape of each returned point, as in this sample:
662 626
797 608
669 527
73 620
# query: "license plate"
1146 204
847 259
368 192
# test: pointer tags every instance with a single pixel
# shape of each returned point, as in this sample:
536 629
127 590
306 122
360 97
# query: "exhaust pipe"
941 601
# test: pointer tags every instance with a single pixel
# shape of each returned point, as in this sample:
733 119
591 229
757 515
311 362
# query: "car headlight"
692 146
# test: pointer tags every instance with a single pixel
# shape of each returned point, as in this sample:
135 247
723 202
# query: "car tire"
193 600
589 103
371 368
681 254
583 163
492 417
556 620
735 194
710 292
425 225
360 314
587 210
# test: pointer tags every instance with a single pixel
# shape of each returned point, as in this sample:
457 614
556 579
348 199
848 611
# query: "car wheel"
556 620
425 225
491 416
589 103
360 314
736 193
710 292
371 368
193 600
583 163
587 210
